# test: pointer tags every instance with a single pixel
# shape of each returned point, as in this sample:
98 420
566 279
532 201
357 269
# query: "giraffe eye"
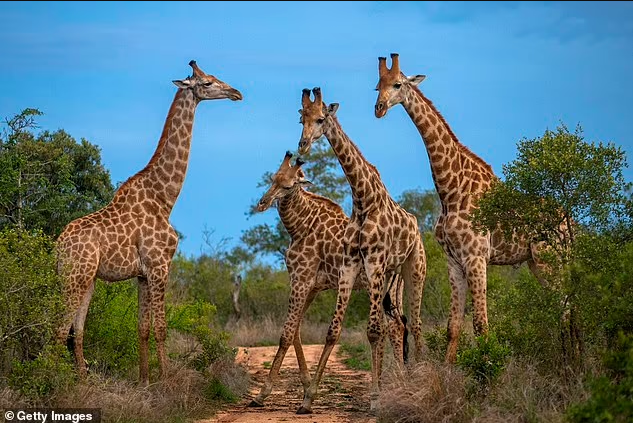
208 84
320 121
397 85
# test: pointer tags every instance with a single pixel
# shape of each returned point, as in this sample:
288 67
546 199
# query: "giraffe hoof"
254 403
303 410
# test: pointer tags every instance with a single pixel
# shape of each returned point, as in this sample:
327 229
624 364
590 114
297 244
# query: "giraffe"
460 177
316 226
131 236
380 238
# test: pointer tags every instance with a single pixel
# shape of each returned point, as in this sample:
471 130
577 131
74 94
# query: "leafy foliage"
30 295
50 372
111 330
486 360
49 179
197 319
569 193
611 397
557 178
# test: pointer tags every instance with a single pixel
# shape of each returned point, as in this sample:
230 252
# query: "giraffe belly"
120 264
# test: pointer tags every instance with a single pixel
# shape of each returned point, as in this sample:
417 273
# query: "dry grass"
432 391
426 392
182 395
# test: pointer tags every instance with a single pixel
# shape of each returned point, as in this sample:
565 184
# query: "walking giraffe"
380 238
316 226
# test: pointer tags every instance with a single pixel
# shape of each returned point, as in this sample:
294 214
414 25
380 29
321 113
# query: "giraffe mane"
461 147
321 199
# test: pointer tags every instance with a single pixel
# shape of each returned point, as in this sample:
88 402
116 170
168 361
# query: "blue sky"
498 72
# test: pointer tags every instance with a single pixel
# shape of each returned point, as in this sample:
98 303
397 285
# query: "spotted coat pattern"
131 236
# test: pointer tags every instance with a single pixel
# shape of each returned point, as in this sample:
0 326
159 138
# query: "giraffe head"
313 115
287 180
392 85
207 87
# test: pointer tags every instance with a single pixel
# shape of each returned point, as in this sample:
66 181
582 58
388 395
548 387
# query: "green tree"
556 179
323 169
49 179
571 194
425 205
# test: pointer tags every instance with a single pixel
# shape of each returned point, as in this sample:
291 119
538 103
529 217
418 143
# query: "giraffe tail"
405 342
393 311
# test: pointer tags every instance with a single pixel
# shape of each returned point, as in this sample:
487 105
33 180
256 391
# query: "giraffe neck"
295 212
362 176
447 156
166 170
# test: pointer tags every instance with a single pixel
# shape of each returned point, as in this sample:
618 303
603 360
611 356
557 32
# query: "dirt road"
343 395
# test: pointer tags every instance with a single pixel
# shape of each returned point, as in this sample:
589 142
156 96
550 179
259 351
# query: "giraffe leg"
304 373
349 270
414 274
296 309
77 282
78 328
157 280
144 328
458 302
375 268
476 277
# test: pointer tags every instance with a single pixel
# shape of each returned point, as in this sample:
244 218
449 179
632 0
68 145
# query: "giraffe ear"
182 83
332 108
305 183
416 79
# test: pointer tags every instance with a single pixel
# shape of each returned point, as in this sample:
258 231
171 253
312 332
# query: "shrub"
44 376
30 295
526 316
111 331
196 319
486 360
611 397
437 342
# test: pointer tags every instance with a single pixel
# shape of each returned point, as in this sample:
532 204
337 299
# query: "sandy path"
343 395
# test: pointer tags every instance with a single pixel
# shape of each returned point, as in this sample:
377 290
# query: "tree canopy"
48 179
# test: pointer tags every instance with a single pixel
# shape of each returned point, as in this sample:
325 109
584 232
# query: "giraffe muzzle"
304 146
380 109
235 95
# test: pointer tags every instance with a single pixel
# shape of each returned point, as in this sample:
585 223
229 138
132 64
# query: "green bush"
437 342
111 331
30 295
51 371
611 397
197 320
486 360
526 315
